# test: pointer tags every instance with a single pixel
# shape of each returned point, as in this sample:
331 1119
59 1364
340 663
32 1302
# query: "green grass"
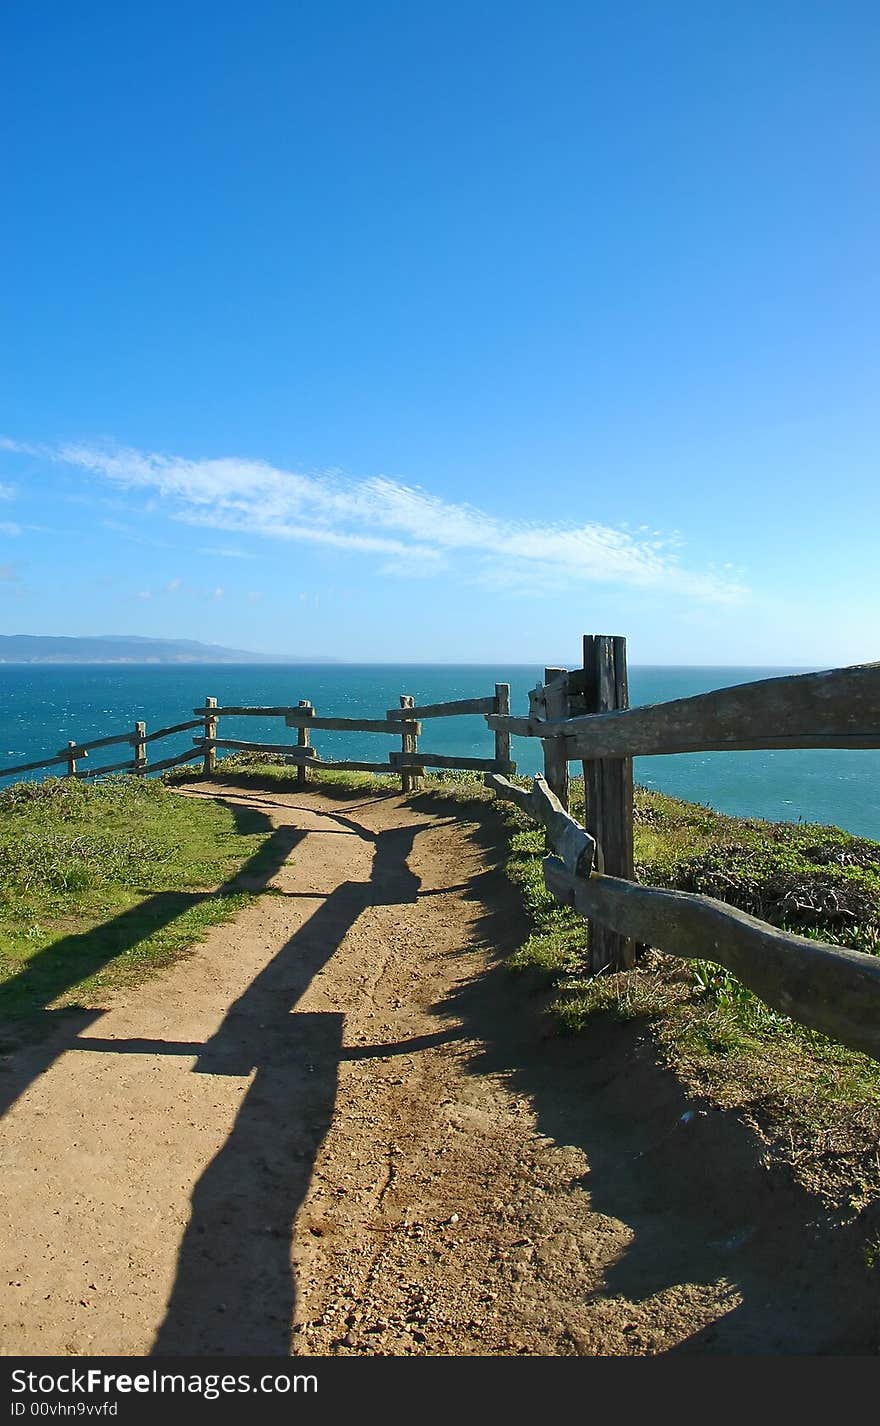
816 1103
102 884
264 769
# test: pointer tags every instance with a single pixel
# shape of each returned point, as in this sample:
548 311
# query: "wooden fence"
138 764
403 722
583 715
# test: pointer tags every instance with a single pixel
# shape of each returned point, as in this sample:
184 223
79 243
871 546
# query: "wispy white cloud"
413 531
9 527
136 538
7 492
20 447
177 586
226 552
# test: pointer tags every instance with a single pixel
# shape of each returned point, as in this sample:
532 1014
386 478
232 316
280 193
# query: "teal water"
42 707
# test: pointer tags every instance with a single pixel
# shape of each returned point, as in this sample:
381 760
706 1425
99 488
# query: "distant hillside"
119 648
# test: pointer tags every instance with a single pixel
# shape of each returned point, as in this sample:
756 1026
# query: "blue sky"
443 331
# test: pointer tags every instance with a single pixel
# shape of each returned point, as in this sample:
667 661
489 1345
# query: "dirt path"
340 1126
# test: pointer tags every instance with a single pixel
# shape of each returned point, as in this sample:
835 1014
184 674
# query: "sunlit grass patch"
101 884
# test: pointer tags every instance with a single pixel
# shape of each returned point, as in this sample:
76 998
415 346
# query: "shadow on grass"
53 972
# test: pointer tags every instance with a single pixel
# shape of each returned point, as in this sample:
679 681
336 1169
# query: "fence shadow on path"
701 1207
41 1035
234 1291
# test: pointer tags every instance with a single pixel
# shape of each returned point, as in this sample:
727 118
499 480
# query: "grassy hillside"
102 884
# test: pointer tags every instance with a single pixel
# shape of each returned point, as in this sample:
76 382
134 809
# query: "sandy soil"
340 1126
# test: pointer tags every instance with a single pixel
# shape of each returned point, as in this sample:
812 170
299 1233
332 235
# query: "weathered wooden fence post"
409 780
502 706
555 757
140 749
209 766
71 761
608 791
303 740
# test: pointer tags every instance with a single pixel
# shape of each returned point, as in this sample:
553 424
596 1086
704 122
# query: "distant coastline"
109 650
131 649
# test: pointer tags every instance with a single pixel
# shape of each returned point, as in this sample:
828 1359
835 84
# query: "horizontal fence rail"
81 750
33 767
839 708
456 709
138 768
251 711
453 761
175 762
351 725
573 844
822 986
825 987
403 723
307 718
175 728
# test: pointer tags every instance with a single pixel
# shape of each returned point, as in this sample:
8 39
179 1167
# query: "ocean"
43 706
